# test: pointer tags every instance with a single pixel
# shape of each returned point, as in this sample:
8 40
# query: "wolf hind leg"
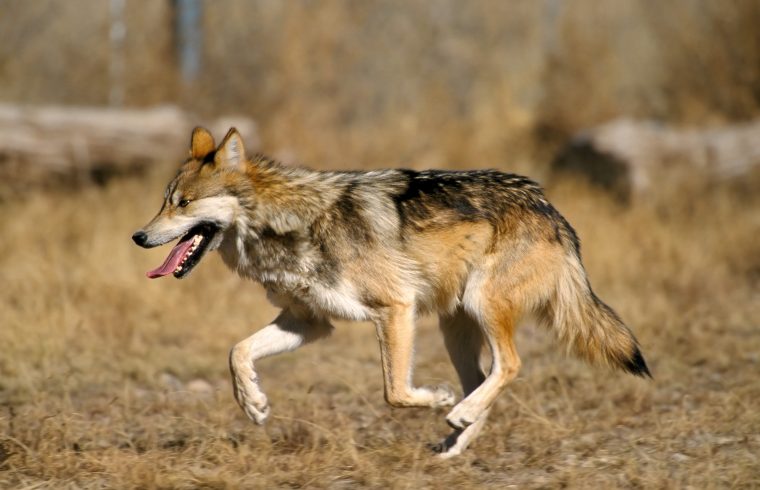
497 324
464 343
287 332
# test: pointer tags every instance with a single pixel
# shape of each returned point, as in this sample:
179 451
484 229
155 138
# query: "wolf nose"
140 238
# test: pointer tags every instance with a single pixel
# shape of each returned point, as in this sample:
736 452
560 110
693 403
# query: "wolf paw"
253 402
442 396
445 449
258 414
448 453
461 416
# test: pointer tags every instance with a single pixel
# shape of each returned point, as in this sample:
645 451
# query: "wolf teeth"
197 239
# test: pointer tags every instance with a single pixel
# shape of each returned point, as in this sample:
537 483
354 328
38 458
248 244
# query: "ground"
108 379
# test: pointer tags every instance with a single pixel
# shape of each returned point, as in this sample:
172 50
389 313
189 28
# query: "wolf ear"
201 143
231 153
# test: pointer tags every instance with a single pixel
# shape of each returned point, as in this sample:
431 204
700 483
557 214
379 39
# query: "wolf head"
200 203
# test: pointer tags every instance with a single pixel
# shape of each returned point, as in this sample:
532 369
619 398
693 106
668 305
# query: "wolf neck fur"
288 198
269 239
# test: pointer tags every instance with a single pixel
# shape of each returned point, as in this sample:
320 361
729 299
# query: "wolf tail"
587 326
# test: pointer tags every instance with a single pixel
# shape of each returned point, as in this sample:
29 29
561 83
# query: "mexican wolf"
482 249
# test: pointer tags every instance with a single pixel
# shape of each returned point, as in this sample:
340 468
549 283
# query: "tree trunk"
49 145
629 157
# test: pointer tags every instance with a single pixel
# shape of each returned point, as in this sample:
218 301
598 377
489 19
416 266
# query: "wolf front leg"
395 331
290 330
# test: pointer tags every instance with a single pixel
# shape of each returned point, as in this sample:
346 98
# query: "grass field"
110 380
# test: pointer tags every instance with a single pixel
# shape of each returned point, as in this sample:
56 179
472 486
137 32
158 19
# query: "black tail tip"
636 365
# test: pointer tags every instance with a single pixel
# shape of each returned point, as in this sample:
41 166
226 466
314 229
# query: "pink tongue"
173 260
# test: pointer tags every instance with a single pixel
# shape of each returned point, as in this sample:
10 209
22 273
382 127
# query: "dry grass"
110 380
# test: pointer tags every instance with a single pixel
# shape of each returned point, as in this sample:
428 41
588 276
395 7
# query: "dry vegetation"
108 379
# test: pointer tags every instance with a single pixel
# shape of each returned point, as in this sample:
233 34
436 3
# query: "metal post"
117 35
189 38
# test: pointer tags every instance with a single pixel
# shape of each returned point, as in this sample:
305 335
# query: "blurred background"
344 84
641 118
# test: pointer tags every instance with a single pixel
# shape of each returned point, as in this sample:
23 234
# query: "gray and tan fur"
482 249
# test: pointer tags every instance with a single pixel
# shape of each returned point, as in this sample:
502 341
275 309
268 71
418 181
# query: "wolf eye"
183 203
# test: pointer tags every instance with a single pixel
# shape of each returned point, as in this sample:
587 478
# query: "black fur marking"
431 190
346 212
405 211
636 364
569 233
557 233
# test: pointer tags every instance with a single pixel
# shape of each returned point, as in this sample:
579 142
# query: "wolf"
483 249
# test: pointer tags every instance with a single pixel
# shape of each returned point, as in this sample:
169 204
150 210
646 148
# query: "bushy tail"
589 327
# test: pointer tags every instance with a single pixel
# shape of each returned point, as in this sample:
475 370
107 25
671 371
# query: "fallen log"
627 157
48 145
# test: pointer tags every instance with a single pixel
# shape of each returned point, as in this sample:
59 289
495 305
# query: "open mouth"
186 253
